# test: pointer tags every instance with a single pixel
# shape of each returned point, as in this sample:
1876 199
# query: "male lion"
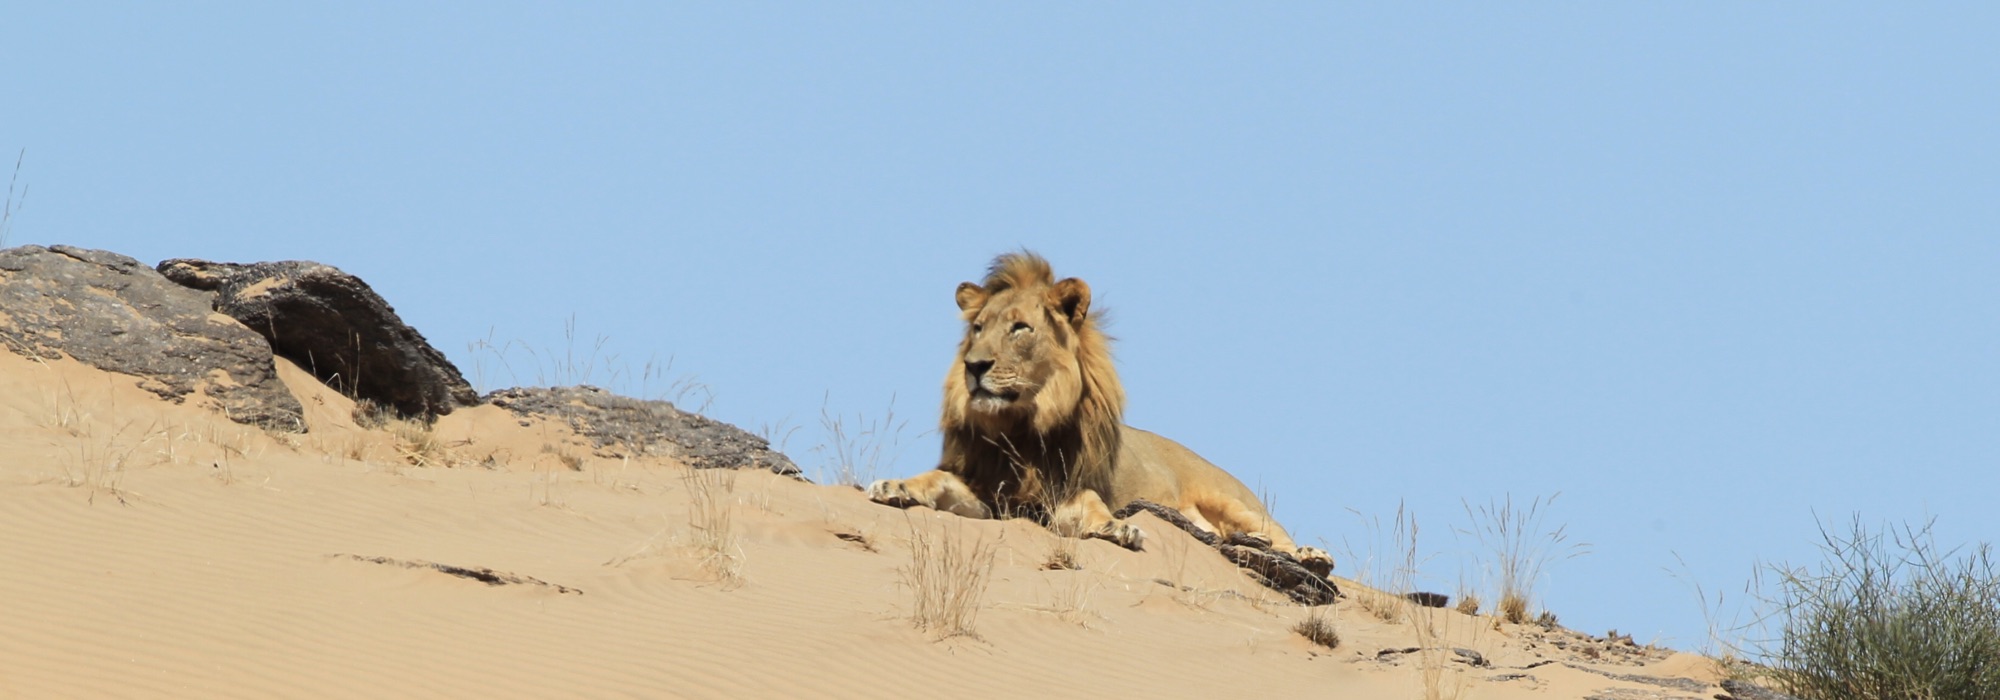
1033 425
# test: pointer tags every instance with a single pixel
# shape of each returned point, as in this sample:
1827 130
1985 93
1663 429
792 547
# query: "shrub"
1889 616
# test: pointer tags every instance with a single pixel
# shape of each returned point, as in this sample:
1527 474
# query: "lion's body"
1033 424
1162 471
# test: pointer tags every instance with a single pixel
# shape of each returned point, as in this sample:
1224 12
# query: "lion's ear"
1071 297
970 295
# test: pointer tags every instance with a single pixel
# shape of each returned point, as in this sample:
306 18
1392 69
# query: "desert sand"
149 549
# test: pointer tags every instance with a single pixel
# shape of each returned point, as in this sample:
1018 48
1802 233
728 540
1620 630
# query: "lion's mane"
1071 438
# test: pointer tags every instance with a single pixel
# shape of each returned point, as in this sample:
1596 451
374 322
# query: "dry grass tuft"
1513 608
1522 547
1070 597
98 466
855 456
369 415
417 444
1317 628
948 578
711 523
1383 579
570 460
1062 555
1468 603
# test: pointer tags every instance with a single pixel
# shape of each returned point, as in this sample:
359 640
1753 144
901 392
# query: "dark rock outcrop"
114 313
1276 570
335 326
646 427
1740 690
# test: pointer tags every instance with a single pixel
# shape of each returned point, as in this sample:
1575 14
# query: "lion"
1033 424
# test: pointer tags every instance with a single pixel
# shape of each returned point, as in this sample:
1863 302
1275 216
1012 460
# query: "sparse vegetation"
711 523
1388 572
1468 603
570 460
12 205
1431 623
1317 627
1436 653
1724 643
418 444
370 415
1176 550
550 483
1071 588
779 434
855 454
1070 599
1547 621
1889 614
1383 582
569 367
1522 547
98 465
1062 554
947 577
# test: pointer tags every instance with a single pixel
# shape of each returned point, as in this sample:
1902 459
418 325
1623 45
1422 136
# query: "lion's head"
1031 399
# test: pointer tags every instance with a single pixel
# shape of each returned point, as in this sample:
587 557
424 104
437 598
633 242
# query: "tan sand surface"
149 549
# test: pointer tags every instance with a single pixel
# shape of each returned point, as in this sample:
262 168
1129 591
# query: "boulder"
643 427
335 326
114 313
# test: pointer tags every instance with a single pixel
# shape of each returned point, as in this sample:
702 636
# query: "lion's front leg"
1085 515
937 489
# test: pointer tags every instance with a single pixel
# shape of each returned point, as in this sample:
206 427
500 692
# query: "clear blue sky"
1705 269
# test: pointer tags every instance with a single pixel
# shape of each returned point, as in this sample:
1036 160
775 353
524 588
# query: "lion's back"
1161 470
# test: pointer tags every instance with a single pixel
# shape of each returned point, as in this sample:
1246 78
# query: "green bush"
1889 617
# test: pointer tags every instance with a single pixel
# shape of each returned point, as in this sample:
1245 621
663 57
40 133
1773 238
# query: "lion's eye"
977 328
1022 326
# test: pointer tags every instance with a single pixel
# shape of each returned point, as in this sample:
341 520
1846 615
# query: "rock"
1427 599
114 313
1683 684
646 427
1741 690
335 326
1276 570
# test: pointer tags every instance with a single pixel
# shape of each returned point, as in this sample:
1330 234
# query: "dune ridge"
149 549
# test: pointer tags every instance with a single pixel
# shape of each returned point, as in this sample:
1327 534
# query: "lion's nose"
978 367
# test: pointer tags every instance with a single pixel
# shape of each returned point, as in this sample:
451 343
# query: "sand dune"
156 550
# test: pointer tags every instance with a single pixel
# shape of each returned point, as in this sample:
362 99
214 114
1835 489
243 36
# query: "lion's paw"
1315 560
1123 534
893 492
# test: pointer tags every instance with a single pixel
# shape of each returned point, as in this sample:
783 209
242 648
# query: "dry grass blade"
418 444
1383 581
711 523
12 205
1522 547
948 578
855 457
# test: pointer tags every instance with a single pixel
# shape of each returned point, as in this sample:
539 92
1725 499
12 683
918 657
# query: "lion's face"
1018 359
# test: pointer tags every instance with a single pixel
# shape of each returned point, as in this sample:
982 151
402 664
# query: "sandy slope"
155 550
